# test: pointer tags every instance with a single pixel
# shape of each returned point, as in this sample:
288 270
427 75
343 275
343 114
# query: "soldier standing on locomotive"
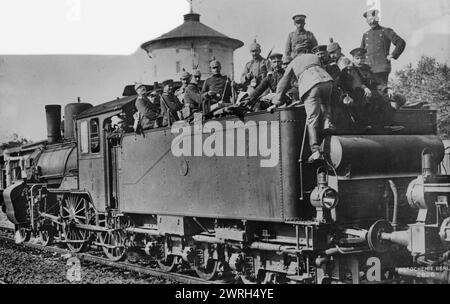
299 37
147 111
377 42
315 90
256 69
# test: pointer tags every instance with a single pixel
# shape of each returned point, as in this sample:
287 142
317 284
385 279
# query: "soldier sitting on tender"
335 52
216 89
256 69
169 104
189 94
268 83
364 93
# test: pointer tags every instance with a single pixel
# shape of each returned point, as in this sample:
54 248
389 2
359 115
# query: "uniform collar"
259 58
280 70
376 28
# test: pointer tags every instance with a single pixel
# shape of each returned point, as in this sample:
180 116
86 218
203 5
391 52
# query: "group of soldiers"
321 78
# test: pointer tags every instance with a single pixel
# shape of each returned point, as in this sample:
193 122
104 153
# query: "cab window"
84 140
94 135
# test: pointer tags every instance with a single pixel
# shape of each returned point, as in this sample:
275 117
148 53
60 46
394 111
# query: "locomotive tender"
376 203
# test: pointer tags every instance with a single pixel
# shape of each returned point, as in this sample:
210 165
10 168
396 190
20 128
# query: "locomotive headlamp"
323 196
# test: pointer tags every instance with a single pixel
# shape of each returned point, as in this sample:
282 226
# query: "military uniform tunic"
296 38
169 107
269 82
258 68
218 84
315 88
148 111
377 43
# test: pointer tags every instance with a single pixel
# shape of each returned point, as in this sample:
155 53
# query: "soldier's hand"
390 93
276 101
389 57
367 92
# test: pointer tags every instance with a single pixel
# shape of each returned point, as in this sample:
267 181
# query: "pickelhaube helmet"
255 46
185 75
214 63
333 46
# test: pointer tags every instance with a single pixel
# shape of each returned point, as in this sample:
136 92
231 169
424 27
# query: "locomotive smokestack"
53 115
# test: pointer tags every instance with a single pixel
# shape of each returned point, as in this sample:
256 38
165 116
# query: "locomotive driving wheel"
204 265
114 244
76 209
168 264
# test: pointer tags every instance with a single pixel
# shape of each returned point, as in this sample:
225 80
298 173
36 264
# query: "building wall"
168 62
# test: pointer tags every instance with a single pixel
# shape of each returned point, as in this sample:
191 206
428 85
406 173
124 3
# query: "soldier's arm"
205 87
313 41
193 96
264 85
283 85
140 106
287 51
397 41
363 41
244 73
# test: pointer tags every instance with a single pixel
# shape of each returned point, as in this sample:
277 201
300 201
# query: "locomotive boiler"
373 205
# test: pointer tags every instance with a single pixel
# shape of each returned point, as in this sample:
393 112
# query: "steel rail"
172 276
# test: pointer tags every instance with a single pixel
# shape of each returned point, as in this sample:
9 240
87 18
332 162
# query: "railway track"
5 234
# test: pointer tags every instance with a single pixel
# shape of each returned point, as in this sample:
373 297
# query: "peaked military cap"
167 82
371 13
299 18
333 46
276 55
319 48
358 52
255 46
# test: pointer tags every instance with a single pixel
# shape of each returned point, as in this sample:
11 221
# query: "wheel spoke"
75 208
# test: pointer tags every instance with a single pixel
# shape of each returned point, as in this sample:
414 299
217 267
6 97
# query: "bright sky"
31 28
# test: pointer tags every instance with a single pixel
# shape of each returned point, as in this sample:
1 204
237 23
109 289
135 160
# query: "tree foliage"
15 140
428 83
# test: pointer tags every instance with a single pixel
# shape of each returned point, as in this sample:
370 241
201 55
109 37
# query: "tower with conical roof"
190 46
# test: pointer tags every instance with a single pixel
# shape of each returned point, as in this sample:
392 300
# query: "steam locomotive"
375 205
